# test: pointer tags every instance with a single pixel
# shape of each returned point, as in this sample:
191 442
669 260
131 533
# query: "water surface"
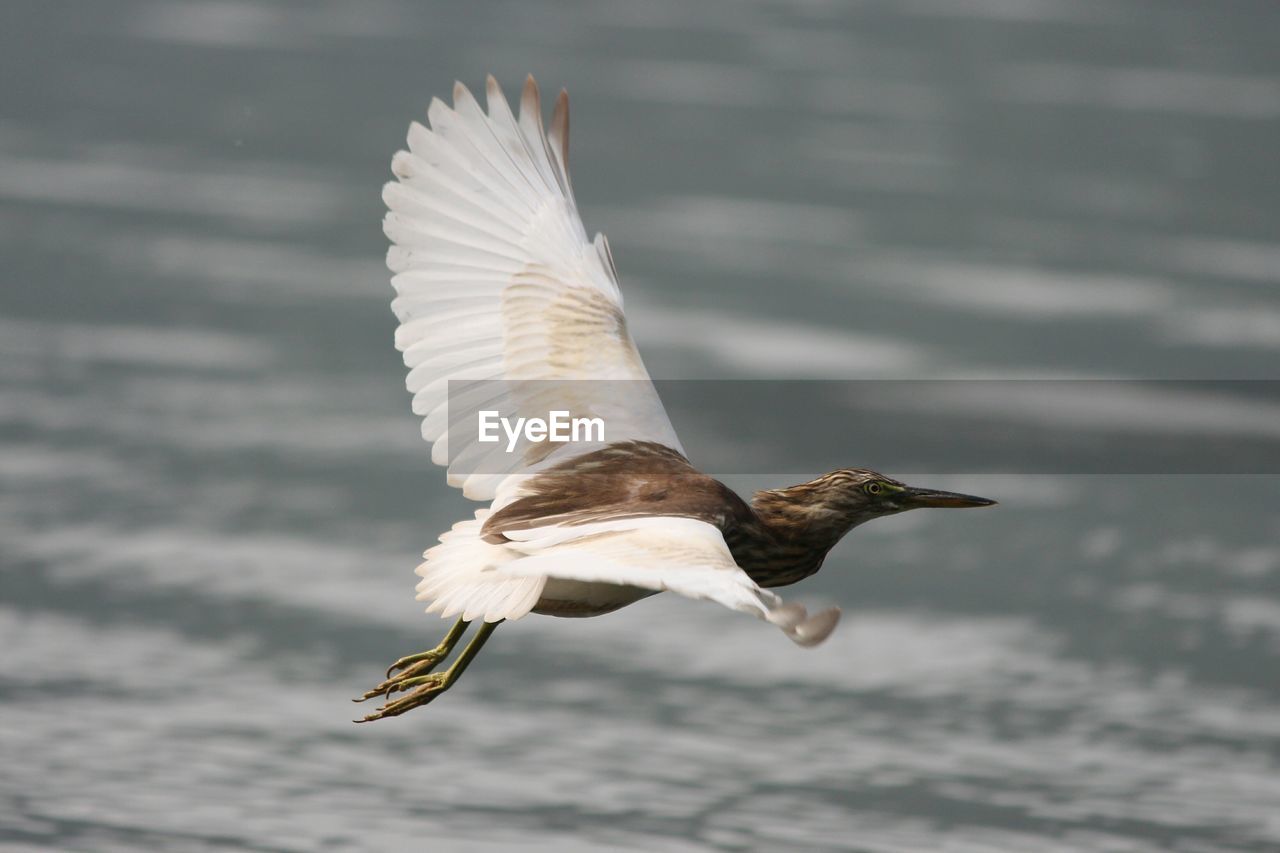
212 492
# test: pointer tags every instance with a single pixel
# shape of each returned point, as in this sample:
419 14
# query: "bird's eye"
873 488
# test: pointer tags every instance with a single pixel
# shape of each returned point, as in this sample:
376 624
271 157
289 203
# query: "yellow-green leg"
419 664
417 673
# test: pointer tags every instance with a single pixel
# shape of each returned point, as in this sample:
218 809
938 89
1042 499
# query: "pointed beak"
919 498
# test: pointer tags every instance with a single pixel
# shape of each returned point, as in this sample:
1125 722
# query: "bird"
501 294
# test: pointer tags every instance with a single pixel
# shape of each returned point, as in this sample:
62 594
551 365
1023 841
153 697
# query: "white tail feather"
458 577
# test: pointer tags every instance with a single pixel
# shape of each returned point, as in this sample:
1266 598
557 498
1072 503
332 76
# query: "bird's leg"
432 685
419 664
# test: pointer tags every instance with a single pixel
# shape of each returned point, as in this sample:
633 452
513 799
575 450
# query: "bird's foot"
428 688
413 666
410 666
415 662
415 673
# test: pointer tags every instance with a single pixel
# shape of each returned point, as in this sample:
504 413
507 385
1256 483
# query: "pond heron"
497 281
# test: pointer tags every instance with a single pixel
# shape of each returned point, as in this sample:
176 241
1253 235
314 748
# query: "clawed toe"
429 687
414 673
411 667
431 658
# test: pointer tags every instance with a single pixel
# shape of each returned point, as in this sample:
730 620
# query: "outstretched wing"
500 290
683 555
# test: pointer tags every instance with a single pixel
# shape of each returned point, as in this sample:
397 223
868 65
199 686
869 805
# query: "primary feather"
500 292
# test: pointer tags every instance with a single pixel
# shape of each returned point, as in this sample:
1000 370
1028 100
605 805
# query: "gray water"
212 492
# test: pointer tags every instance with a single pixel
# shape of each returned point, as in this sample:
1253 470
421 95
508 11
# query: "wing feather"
682 555
496 280
469 576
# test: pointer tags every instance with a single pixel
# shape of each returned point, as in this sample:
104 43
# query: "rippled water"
212 492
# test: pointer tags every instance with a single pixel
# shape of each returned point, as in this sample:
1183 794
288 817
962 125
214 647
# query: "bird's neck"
787 539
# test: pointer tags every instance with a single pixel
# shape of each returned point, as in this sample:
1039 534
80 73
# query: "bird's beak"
918 498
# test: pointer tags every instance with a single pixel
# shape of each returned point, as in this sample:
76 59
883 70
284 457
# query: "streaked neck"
788 539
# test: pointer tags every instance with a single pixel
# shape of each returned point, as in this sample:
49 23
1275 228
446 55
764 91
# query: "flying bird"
500 291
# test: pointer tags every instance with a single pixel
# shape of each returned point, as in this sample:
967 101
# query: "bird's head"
848 497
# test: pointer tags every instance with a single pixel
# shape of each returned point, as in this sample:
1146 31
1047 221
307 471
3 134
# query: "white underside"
586 598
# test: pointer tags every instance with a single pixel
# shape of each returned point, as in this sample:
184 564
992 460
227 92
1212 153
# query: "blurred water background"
212 492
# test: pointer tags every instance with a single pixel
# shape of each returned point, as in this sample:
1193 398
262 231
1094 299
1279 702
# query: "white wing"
498 284
682 555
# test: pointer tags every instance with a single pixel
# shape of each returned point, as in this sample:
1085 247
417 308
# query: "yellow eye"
873 488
